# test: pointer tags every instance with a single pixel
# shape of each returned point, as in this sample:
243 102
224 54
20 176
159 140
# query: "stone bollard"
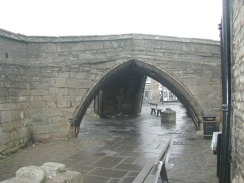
168 116
49 173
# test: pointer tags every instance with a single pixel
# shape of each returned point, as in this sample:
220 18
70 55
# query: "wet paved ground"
115 150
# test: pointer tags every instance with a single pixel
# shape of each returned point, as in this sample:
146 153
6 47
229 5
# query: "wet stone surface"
115 150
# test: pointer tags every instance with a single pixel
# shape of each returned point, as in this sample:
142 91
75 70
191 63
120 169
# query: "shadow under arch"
183 94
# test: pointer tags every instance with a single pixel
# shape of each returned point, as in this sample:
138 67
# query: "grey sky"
180 18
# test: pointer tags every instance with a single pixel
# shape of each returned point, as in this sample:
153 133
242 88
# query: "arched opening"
182 93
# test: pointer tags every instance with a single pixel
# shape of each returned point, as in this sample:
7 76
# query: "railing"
153 169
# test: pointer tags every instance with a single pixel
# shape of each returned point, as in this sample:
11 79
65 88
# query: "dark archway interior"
122 97
134 71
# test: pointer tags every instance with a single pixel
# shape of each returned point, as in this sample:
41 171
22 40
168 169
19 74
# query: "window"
148 93
148 80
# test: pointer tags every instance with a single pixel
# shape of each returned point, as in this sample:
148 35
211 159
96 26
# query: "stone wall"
15 128
46 82
55 93
237 91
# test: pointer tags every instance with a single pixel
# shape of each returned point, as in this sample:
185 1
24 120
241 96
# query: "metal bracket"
226 107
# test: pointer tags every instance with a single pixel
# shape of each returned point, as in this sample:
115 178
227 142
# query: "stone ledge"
57 39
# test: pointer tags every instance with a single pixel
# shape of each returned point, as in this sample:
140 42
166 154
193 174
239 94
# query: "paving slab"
115 150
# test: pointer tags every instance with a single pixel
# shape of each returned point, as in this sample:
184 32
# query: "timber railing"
153 169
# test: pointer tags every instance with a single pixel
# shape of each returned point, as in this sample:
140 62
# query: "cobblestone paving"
115 150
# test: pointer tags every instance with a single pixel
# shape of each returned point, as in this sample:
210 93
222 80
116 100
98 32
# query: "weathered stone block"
36 98
68 98
93 45
38 120
109 64
2 148
63 135
52 112
21 99
73 92
190 82
78 98
58 82
168 116
51 104
59 91
39 92
74 104
84 83
38 85
38 105
90 76
17 123
46 47
64 127
26 122
70 46
6 116
72 83
172 65
55 119
194 89
51 168
49 173
22 132
51 98
41 136
80 75
5 137
40 129
36 112
3 92
82 91
171 45
13 135
64 74
53 136
30 174
62 104
7 127
54 128
5 107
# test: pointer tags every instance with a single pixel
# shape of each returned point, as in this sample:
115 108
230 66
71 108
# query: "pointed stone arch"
181 91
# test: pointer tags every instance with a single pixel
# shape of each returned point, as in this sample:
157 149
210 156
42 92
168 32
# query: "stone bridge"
48 83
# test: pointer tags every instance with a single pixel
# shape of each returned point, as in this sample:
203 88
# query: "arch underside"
183 94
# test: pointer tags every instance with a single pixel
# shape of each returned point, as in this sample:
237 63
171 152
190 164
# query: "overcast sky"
180 18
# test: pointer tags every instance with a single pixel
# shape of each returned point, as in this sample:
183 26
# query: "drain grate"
182 143
99 154
191 138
